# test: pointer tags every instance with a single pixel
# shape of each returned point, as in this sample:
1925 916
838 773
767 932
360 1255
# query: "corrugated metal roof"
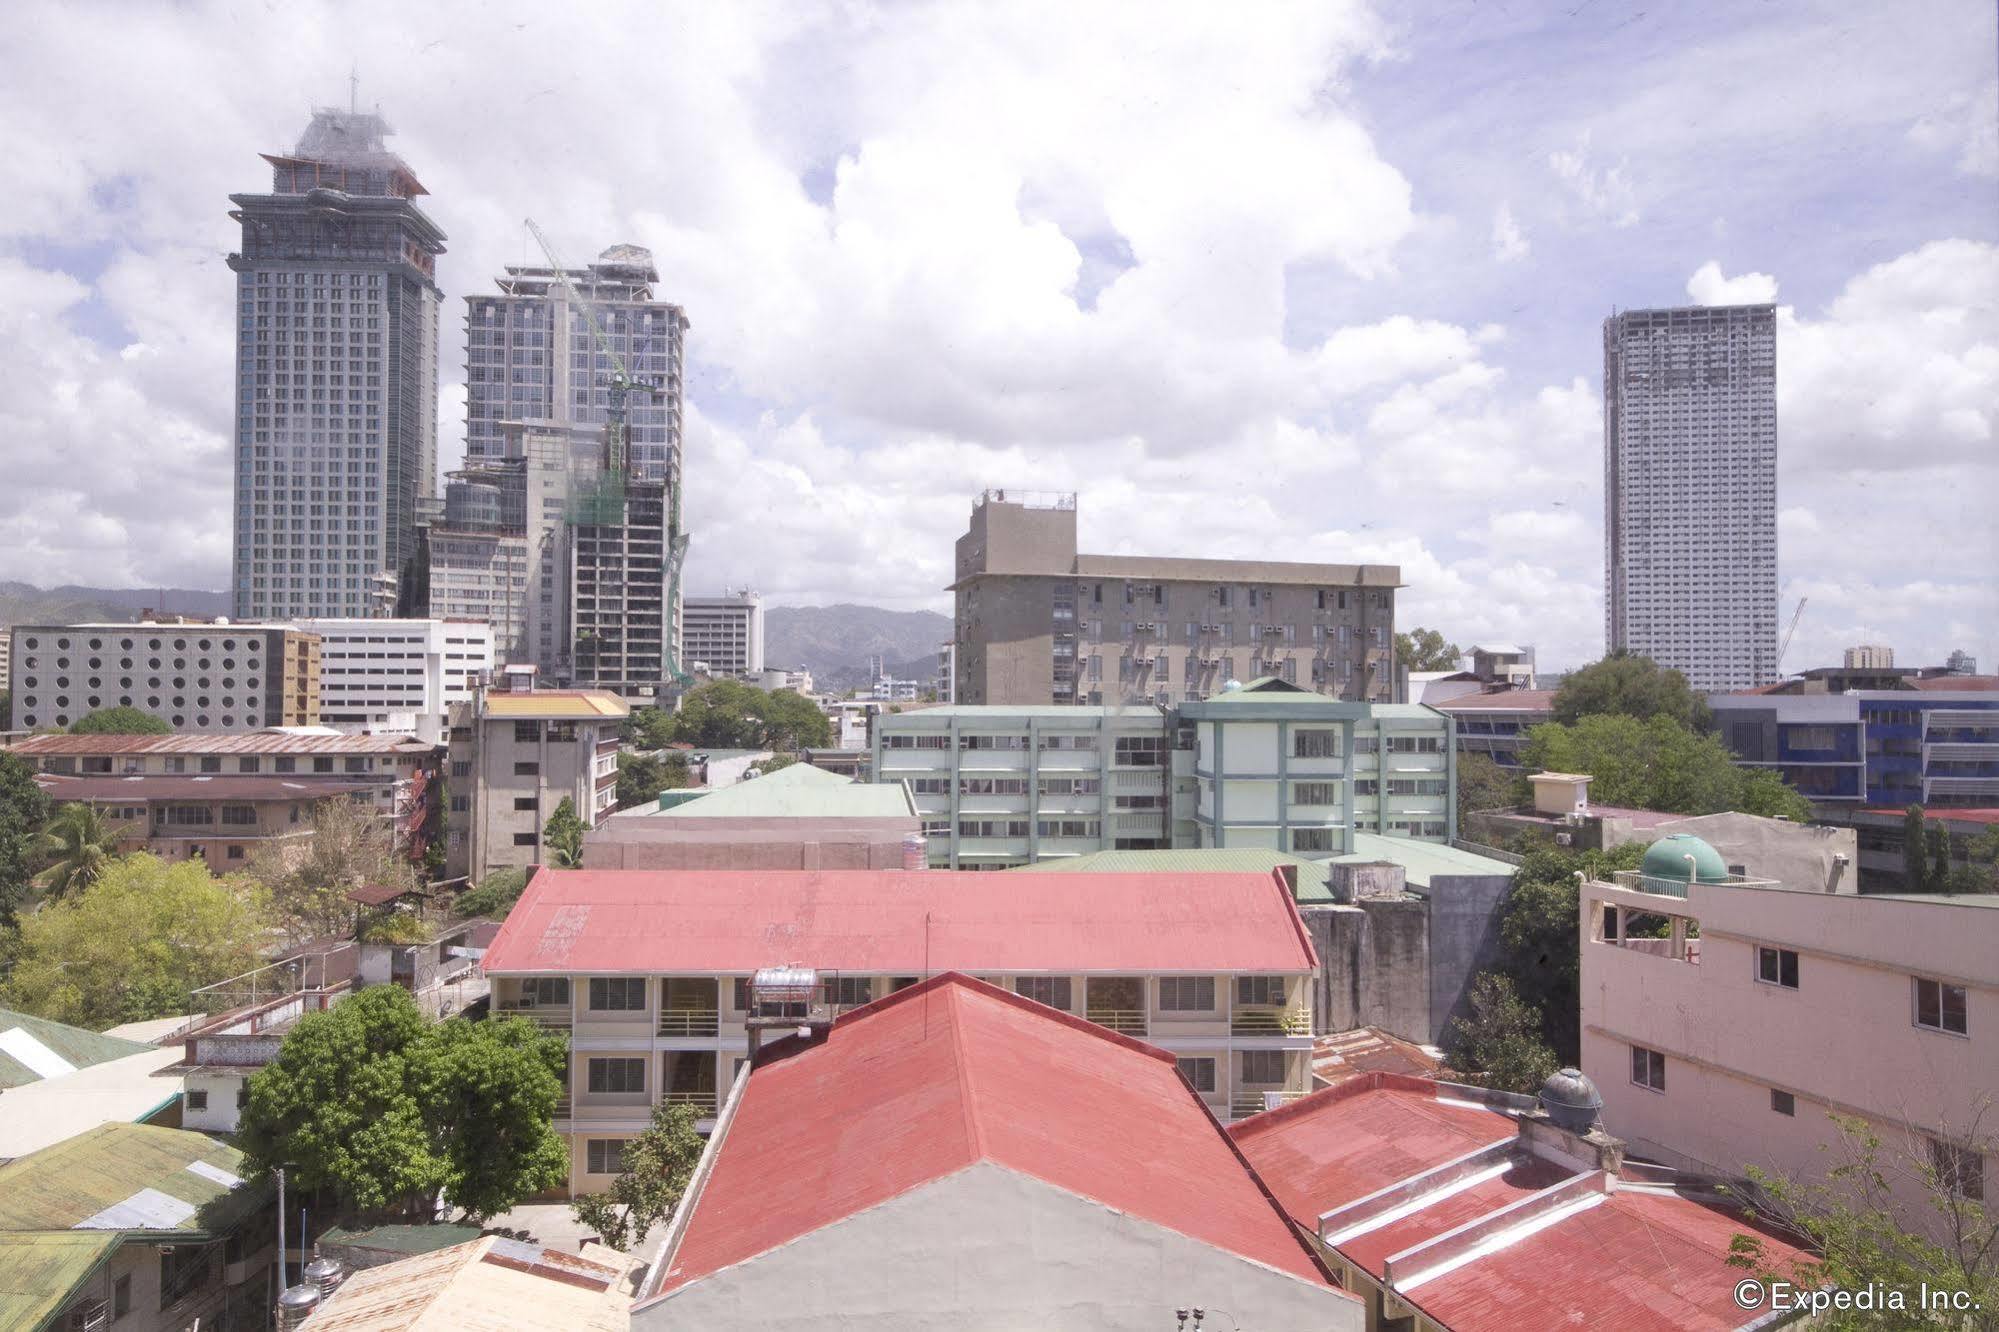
467 1288
75 1047
178 786
97 1171
1420 861
1312 875
254 742
952 1072
1504 700
897 922
798 792
39 1272
557 704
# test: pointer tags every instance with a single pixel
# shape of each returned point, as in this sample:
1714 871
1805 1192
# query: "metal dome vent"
1571 1100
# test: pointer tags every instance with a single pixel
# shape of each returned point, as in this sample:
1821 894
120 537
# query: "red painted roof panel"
912 922
952 1072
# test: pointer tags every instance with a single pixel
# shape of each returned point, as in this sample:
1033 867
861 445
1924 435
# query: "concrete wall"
1374 966
1797 855
658 844
988 1248
1465 912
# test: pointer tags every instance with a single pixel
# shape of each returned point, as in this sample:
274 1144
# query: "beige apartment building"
1039 623
514 755
1726 1018
649 973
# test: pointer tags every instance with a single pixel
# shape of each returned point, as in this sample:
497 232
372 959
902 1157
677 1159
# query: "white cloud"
1708 287
1604 191
1509 243
1968 124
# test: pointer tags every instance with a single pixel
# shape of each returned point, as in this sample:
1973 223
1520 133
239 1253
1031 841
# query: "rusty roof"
252 742
249 786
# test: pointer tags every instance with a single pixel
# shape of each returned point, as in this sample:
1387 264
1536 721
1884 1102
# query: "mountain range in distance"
834 643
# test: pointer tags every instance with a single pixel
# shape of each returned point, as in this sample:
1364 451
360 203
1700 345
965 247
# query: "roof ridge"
975 1133
1298 930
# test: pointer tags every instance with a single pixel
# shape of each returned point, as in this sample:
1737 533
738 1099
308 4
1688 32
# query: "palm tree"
75 847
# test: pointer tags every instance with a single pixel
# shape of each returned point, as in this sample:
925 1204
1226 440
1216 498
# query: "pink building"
1726 1018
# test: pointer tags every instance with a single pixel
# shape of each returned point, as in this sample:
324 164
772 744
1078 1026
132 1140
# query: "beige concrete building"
199 676
1726 1018
514 755
1039 623
800 817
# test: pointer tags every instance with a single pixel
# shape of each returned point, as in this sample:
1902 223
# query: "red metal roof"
253 742
953 1072
1942 813
908 922
1504 700
249 787
1957 683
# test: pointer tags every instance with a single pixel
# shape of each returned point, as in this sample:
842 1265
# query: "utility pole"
280 1173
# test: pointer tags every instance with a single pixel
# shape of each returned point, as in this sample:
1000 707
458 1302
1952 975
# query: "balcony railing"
689 1022
545 1016
702 1101
1124 1021
1251 1101
1270 1020
1664 887
564 1107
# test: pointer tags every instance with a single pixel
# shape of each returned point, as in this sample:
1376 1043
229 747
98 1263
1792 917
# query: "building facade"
1870 656
399 675
336 373
1496 723
193 676
1037 623
725 633
653 981
1690 491
1725 1019
514 756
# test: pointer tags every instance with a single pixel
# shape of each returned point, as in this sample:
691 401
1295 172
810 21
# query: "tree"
1483 784
1938 839
650 728
120 721
1860 1239
727 714
23 811
562 836
136 943
775 763
1915 869
6 710
1541 938
351 845
793 721
641 777
1659 764
374 1104
430 864
75 848
1425 650
1632 687
657 1166
495 896
1501 1040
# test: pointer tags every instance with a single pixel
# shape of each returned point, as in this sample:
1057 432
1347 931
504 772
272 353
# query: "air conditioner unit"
1565 839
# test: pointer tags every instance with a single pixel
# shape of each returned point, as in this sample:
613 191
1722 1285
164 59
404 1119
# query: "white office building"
1690 491
398 676
725 633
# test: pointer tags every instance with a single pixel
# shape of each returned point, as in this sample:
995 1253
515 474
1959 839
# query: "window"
1262 1067
545 992
322 765
1312 839
847 991
1199 1072
284 764
1051 990
618 1077
1648 1068
1940 1007
1140 751
526 803
1186 994
1266 990
1315 793
606 1156
525 839
527 770
1777 966
211 763
1960 1170
247 764
617 994
121 1296
1783 1102
527 732
196 1100
1318 742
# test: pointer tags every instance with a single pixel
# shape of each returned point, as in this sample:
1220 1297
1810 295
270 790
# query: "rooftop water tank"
1571 1100
296 1305
1666 867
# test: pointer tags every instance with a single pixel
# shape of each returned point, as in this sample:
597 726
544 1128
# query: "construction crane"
617 451
1785 646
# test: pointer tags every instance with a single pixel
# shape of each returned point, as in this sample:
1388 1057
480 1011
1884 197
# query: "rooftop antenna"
353 88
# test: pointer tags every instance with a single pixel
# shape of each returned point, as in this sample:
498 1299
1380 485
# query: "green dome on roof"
1666 861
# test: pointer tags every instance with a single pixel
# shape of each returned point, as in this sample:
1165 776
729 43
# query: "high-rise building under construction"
336 374
562 546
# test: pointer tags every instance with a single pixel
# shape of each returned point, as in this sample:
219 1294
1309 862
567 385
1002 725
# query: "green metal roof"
797 792
403 1239
1420 861
1218 860
1269 689
75 1046
97 1177
39 1271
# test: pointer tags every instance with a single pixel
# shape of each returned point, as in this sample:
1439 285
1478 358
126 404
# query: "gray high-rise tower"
336 374
1690 491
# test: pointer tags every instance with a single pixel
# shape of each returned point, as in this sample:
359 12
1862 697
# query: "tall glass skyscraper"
336 374
1690 491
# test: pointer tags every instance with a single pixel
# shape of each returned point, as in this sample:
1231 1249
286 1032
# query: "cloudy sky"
1316 281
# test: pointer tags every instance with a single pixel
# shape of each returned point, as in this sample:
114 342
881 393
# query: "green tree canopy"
23 811
136 943
658 1164
386 1110
1632 687
1501 1040
1425 650
1657 763
562 836
75 847
1541 936
650 728
641 777
495 896
120 721
727 714
351 845
1483 784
